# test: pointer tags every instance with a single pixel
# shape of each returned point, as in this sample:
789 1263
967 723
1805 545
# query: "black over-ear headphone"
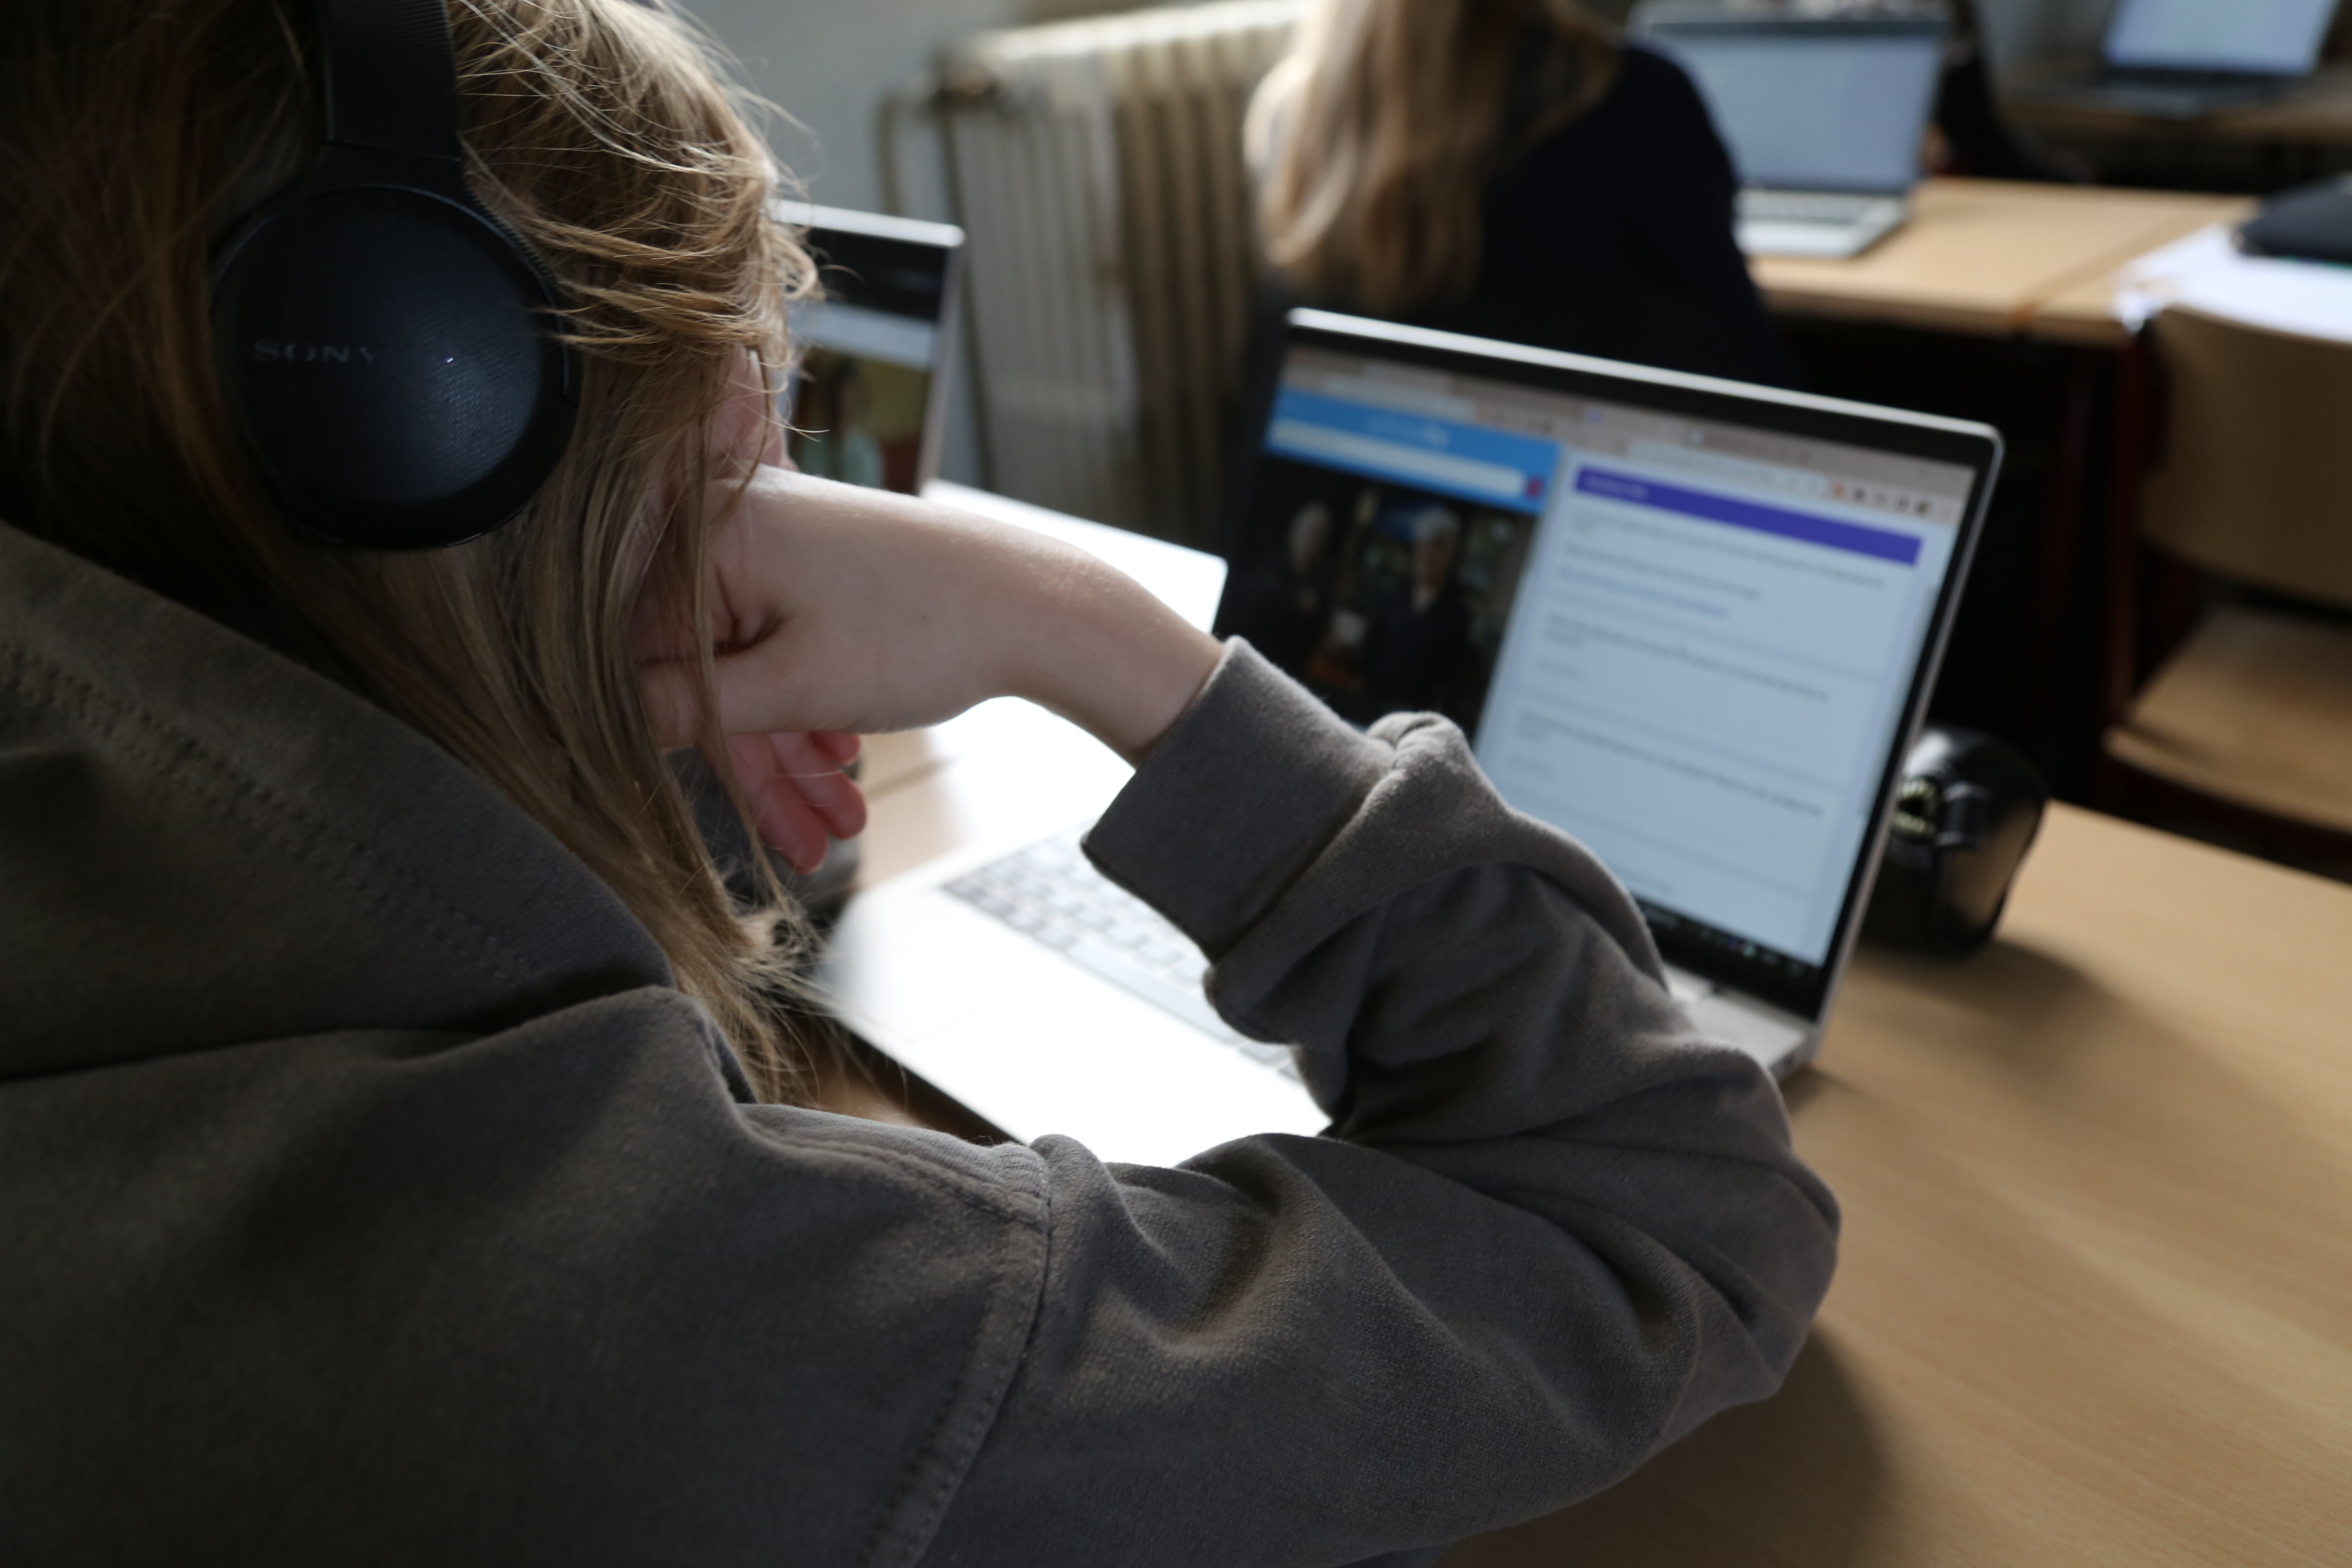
387 348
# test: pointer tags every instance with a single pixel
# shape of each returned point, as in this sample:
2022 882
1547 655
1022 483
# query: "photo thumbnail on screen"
1383 591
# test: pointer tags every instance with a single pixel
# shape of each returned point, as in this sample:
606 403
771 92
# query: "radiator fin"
1111 252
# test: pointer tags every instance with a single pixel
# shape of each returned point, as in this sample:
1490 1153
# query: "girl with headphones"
403 1157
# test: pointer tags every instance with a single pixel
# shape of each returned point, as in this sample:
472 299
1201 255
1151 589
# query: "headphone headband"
390 76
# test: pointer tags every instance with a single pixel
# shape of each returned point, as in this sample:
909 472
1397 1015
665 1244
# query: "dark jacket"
369 1194
1613 237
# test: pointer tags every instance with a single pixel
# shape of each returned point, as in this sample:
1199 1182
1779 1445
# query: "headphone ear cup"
389 358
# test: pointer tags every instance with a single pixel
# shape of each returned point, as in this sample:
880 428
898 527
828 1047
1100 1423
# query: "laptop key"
1051 892
1119 967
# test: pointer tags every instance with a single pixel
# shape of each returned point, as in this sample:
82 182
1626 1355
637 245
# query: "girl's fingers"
755 693
799 796
840 746
789 827
816 777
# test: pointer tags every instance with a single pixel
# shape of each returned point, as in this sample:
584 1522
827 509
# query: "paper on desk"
2209 272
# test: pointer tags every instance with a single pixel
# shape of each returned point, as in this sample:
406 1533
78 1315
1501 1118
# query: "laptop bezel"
1978 448
815 223
1662 23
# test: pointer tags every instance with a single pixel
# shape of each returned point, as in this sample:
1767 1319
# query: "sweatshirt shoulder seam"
937 1471
231 790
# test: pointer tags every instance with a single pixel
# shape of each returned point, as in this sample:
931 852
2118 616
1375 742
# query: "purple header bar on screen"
1883 543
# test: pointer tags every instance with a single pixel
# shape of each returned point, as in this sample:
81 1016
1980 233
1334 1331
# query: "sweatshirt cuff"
1237 799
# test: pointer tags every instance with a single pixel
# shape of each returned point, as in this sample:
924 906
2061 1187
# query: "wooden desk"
2096 1302
1988 257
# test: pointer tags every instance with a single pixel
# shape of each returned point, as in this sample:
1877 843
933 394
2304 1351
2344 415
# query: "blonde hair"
138 130
1378 134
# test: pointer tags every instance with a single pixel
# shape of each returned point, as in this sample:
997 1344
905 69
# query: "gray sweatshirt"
368 1193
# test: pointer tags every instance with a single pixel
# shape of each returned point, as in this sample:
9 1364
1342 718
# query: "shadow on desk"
2089 1306
1799 1478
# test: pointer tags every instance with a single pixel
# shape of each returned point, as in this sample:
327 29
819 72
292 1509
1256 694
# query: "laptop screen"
1809 105
869 393
2263 37
1690 636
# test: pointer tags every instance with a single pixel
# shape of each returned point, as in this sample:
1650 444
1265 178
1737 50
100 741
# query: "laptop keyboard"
1051 893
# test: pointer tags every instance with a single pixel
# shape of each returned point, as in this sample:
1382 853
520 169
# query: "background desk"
2300 135
1997 303
1988 258
2096 1302
2095 1299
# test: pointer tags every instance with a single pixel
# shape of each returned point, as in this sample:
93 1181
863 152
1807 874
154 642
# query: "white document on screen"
1694 682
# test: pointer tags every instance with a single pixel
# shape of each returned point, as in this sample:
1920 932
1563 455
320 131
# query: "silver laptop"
873 355
2179 59
1691 621
1823 115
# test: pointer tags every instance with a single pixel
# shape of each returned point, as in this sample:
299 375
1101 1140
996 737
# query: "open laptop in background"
873 357
867 403
1693 623
2179 59
1824 116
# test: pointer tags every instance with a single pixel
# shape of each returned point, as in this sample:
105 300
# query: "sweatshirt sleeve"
1549 1230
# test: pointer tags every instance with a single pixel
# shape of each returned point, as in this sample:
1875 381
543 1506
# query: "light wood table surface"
2095 1299
1992 257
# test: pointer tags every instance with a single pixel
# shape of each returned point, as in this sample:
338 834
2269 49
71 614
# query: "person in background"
402 1159
1507 168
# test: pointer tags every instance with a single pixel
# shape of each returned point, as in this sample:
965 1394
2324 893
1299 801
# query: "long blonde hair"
137 131
1380 131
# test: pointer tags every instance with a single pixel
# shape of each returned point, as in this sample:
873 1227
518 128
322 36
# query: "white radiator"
1098 175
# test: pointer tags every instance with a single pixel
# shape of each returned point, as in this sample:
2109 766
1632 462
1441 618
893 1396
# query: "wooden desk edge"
2083 312
1889 309
2067 307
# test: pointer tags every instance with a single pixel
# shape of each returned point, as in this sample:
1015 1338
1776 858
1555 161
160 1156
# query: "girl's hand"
852 611
800 798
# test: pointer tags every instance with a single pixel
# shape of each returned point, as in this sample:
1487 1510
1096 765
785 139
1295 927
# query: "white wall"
828 63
